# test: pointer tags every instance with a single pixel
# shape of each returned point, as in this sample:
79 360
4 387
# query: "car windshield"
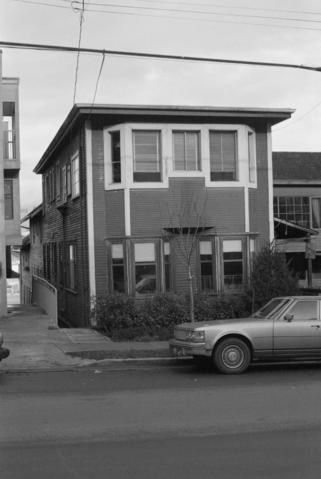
272 306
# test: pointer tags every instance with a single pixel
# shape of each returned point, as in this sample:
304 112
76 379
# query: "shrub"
270 277
122 318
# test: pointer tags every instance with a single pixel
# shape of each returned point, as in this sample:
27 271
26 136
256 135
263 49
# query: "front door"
298 330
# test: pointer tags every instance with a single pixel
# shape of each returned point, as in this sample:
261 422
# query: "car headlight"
196 336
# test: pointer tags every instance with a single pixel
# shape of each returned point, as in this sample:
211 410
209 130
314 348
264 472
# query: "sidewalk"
36 345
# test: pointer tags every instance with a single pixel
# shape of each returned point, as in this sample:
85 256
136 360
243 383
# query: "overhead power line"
158 56
135 11
81 20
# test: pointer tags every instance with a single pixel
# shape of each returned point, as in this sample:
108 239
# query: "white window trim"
73 157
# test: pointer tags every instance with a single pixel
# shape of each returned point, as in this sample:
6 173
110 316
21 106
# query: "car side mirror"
288 317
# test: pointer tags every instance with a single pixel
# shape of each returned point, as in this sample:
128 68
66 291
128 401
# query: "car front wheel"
232 356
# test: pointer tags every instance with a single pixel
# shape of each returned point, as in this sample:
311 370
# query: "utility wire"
201 12
208 20
98 78
296 120
159 56
78 52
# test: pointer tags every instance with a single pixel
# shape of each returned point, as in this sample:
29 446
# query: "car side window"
304 310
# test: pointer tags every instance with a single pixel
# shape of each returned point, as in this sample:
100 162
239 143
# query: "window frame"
223 170
7 198
198 133
145 263
239 287
145 176
75 175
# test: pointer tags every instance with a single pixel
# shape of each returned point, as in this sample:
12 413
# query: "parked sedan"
4 352
285 328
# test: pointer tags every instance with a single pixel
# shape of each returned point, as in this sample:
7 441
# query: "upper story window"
295 209
251 157
8 199
9 140
115 156
186 151
223 155
316 212
147 155
75 178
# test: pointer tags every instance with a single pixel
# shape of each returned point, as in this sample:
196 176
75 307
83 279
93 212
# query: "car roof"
299 297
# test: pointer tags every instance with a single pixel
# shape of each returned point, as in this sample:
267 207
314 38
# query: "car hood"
216 322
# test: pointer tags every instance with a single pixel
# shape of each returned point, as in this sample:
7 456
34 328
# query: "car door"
298 330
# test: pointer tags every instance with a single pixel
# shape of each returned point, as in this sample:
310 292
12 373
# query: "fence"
45 296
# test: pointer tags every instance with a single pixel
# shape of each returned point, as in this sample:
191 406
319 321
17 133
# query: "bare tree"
187 222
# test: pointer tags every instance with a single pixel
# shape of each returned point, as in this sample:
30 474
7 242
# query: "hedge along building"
124 187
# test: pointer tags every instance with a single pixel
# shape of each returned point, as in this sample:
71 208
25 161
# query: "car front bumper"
4 353
184 348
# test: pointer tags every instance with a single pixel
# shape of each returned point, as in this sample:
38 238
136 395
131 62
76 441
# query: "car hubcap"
232 356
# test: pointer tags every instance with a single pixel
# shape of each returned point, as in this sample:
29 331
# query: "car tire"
232 356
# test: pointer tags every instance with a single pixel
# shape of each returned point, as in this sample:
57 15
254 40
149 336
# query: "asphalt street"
161 422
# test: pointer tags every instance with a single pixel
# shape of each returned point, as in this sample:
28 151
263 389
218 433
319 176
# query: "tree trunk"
191 295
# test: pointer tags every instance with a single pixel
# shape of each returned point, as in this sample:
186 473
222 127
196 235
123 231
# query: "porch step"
84 335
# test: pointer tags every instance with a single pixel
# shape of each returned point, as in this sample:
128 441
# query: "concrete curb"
120 363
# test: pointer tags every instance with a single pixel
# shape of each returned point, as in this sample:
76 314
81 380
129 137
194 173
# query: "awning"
287 229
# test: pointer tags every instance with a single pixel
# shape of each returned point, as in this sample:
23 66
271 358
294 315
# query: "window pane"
8 199
232 245
75 176
186 150
145 278
223 155
115 156
147 155
316 212
117 251
144 252
304 310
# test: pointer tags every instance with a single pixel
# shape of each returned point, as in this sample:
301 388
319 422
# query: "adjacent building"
134 195
297 211
9 180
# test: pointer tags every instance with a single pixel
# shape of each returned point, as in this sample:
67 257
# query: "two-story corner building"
127 188
10 168
297 211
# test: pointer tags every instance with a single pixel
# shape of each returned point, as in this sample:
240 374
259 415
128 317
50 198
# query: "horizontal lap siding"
115 216
259 197
99 210
187 203
70 225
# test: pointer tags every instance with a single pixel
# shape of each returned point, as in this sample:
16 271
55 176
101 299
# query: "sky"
256 30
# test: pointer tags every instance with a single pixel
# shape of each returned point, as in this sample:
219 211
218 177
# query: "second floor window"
186 146
316 212
75 179
8 199
295 209
147 155
223 154
115 156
